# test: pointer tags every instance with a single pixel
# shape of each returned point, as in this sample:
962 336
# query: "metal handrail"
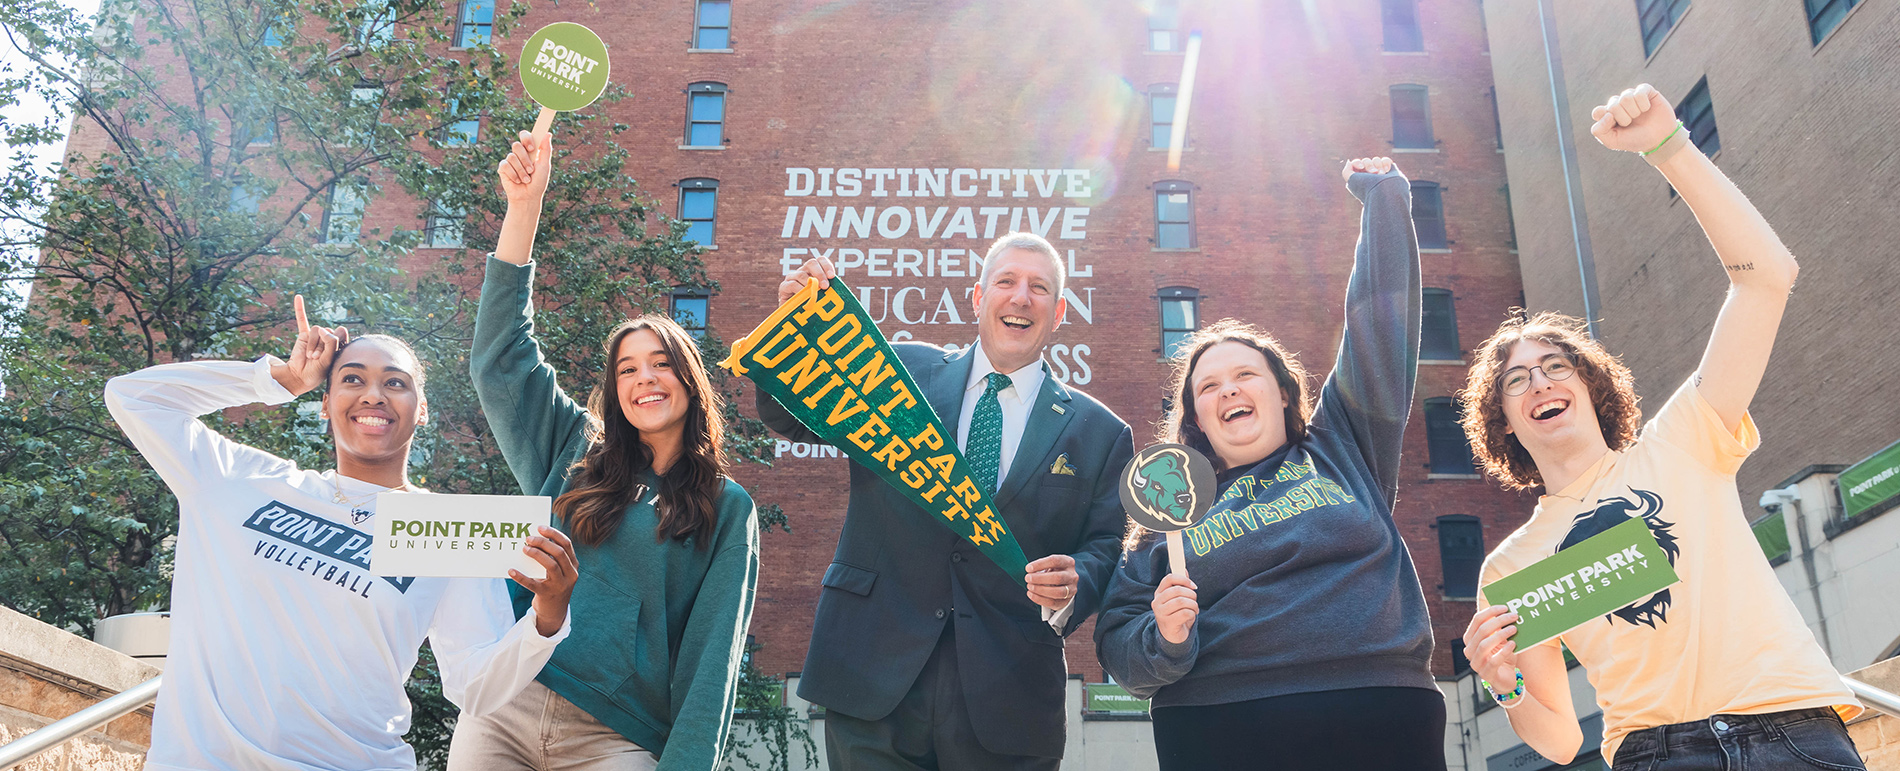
1874 697
59 731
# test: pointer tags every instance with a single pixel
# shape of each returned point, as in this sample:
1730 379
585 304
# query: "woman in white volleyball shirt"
285 652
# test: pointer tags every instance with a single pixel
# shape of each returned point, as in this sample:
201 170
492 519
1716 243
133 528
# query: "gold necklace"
357 512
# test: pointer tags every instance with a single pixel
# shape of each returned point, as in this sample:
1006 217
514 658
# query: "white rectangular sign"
456 535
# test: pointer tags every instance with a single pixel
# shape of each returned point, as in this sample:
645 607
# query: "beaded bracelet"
1508 700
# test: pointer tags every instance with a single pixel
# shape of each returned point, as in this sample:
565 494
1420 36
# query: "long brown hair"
1612 393
1182 426
602 483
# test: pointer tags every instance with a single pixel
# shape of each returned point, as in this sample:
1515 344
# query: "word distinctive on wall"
917 238
820 355
1575 586
456 535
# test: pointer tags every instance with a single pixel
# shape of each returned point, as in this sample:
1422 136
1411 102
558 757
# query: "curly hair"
1612 393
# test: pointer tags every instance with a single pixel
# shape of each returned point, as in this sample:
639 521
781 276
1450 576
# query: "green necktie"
984 446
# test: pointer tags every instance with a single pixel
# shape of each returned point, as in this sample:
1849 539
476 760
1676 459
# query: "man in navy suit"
925 654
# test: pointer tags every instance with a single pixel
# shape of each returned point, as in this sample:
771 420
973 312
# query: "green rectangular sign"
1109 697
1568 589
1871 482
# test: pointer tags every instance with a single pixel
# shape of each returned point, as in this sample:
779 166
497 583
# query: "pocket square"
1061 466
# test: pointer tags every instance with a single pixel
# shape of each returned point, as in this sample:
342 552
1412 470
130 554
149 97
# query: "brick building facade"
1787 92
771 125
973 107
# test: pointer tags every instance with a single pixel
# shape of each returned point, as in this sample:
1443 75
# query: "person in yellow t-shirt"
1717 671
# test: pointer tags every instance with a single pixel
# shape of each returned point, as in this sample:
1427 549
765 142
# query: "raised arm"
159 407
534 421
1761 270
1371 385
773 414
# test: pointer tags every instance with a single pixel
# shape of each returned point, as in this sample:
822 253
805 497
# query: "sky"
33 110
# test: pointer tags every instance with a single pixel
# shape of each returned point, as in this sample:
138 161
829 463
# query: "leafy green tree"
229 153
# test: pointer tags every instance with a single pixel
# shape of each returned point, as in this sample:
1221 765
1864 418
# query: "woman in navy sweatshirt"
1302 640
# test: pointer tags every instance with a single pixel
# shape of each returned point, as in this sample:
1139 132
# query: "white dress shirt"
1015 401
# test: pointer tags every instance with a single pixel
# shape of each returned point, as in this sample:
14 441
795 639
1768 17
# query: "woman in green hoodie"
668 545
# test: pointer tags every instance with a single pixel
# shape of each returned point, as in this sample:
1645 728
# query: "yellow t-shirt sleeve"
1688 423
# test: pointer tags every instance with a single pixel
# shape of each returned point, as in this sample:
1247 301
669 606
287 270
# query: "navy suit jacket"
898 576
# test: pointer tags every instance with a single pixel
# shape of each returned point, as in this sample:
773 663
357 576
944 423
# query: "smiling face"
1549 413
1018 306
374 401
649 389
1238 403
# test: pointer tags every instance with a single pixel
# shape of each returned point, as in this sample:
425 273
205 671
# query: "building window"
713 30
1180 316
1428 215
1510 217
1698 116
1460 554
1497 120
705 115
1659 16
254 128
1400 18
1162 24
245 199
1445 438
376 24
275 30
1438 330
445 227
1161 115
689 310
343 217
1174 215
462 130
699 199
1825 15
477 23
1411 118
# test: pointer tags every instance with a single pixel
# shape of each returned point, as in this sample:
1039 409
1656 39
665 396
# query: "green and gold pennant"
823 358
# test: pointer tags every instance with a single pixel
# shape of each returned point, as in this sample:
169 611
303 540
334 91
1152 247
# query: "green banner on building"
822 356
1872 484
1611 569
1109 697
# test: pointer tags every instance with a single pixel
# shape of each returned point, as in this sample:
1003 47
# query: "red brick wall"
1282 99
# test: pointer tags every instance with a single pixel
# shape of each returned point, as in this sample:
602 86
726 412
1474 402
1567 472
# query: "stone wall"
47 673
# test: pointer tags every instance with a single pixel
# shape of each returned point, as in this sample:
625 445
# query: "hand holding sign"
1168 488
555 553
563 68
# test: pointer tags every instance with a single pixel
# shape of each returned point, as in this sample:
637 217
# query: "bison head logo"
1162 488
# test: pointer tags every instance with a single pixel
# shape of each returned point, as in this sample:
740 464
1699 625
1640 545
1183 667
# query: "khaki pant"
540 731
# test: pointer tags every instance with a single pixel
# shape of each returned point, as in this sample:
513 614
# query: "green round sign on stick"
563 68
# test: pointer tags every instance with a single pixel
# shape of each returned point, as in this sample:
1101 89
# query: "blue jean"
1797 739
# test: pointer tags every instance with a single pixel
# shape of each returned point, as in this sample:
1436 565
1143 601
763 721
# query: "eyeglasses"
1557 366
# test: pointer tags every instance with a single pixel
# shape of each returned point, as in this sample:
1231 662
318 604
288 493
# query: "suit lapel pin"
1061 466
1058 409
